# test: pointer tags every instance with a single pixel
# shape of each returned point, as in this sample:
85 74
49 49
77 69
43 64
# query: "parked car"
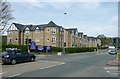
112 52
15 56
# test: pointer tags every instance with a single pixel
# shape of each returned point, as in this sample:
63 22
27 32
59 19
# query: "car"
16 56
112 52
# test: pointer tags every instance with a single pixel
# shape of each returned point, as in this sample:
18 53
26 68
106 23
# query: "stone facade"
49 35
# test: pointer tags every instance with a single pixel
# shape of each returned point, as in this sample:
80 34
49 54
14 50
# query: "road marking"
110 68
75 54
24 64
3 73
82 53
52 66
14 75
113 71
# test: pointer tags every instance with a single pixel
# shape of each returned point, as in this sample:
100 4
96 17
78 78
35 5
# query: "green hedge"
54 49
79 50
22 47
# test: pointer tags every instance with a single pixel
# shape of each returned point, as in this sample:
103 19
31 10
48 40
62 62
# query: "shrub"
22 47
53 49
56 49
79 50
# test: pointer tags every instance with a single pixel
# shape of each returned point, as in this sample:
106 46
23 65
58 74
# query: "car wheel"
13 61
32 59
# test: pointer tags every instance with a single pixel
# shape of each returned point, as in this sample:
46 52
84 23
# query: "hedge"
22 47
80 49
53 50
25 48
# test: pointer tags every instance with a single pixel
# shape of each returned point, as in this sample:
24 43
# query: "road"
72 65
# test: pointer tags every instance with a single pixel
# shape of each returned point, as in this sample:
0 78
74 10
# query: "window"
10 33
37 31
16 39
37 40
53 40
53 30
48 30
16 32
48 39
27 32
10 41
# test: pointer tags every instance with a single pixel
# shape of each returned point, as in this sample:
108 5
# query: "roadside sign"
48 48
40 48
32 45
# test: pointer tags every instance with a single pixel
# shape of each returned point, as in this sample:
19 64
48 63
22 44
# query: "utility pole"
63 47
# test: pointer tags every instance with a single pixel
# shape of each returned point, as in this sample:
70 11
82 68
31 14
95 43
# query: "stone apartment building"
48 35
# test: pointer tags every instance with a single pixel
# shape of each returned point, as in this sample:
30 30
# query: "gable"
27 28
37 28
12 27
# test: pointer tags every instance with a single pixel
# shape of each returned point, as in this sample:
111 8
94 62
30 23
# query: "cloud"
63 0
114 18
107 30
89 5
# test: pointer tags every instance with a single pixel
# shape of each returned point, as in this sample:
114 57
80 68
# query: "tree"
5 14
105 41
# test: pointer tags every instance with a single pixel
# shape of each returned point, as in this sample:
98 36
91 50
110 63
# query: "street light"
27 41
63 49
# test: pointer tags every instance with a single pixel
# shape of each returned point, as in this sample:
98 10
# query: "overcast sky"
91 18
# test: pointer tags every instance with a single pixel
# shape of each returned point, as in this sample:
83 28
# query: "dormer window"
37 31
27 31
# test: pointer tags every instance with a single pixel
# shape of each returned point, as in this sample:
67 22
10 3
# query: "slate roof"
21 27
80 33
72 30
91 38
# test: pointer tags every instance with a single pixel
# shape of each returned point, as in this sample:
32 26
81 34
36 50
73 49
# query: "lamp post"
63 48
27 41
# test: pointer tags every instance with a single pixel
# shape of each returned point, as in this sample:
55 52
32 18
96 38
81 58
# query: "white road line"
111 68
3 73
112 73
75 54
52 66
24 64
14 75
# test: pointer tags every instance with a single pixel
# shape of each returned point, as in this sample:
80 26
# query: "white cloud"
90 5
107 30
115 18
63 0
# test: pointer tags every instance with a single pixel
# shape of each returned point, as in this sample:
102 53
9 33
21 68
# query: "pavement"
39 56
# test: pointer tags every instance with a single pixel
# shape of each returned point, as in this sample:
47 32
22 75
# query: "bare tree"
5 14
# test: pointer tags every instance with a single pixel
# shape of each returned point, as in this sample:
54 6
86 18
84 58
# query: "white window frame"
10 33
37 31
37 40
53 39
53 30
27 32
